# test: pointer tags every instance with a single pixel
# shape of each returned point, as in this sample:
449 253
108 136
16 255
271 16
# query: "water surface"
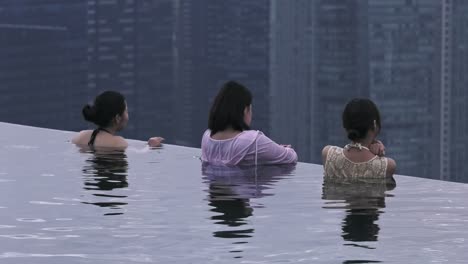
60 204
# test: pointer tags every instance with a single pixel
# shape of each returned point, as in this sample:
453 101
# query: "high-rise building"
342 69
130 49
408 56
42 62
292 75
217 41
404 76
318 63
454 91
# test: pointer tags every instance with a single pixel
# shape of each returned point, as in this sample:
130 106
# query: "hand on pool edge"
155 142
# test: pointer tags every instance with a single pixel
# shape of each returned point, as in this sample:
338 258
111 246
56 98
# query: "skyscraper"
217 41
318 63
454 90
130 49
42 62
293 75
408 56
404 75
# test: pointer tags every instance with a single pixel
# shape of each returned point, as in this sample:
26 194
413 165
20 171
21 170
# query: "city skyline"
302 60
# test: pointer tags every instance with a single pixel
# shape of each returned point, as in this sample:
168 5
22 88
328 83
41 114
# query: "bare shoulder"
325 153
119 142
81 137
391 167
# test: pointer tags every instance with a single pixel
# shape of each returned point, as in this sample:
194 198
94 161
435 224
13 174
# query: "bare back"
102 140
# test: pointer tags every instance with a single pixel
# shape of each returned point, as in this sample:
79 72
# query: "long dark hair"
105 107
359 116
228 108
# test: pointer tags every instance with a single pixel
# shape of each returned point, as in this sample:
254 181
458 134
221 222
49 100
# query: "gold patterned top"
337 165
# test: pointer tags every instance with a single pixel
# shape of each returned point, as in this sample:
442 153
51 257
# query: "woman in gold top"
363 157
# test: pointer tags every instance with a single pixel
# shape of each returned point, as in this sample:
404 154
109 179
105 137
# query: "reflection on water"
103 172
362 201
176 215
360 261
230 190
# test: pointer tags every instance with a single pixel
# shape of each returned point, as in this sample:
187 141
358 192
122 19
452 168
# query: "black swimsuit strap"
105 130
94 134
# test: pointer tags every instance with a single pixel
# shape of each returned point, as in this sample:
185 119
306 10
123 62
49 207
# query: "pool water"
62 204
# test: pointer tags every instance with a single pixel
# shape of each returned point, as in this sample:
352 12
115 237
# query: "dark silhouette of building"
219 41
130 49
42 62
319 62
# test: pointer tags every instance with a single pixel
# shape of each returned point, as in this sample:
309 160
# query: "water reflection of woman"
105 171
230 190
364 199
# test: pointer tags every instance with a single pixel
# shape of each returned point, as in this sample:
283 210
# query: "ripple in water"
71 228
31 220
22 147
6 180
26 236
44 203
29 255
134 258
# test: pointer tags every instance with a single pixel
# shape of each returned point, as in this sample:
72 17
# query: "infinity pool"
60 204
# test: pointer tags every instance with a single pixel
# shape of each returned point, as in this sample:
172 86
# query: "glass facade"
42 63
130 49
219 41
404 80
319 61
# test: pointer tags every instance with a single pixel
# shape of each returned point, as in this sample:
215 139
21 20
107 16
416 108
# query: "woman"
229 140
363 157
109 112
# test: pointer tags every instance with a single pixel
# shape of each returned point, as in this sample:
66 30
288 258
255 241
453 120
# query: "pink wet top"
250 147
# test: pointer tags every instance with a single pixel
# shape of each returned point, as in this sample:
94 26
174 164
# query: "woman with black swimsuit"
109 112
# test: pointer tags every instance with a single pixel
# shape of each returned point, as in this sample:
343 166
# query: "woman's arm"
119 142
82 137
269 152
391 167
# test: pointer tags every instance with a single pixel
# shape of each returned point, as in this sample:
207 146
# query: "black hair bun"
89 113
354 134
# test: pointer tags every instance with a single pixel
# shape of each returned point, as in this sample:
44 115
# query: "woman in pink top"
229 140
